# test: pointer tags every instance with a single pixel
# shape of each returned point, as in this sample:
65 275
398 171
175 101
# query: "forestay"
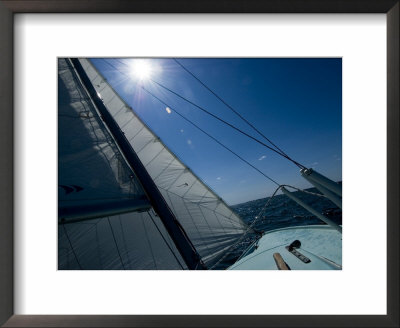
210 224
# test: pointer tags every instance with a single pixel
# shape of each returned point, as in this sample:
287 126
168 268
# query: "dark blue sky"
297 103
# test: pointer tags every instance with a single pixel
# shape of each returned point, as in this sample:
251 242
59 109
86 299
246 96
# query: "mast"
174 228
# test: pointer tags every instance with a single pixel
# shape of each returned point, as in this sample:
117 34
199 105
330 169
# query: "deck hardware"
300 256
295 244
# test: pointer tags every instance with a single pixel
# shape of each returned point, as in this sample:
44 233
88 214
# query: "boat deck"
321 244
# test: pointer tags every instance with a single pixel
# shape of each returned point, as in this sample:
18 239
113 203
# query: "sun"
141 69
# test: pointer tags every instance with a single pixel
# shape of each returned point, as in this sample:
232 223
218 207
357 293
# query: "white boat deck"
320 243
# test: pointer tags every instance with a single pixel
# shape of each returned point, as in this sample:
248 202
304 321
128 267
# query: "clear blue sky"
297 103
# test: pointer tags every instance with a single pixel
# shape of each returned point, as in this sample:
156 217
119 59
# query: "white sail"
95 182
122 242
209 223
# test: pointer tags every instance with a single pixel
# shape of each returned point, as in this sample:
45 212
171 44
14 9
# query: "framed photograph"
137 125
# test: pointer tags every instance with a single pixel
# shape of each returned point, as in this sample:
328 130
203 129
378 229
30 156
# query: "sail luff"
186 249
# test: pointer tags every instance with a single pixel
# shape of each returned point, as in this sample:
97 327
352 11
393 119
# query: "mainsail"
135 238
92 173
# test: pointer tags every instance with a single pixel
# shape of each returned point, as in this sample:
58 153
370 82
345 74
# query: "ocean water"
280 213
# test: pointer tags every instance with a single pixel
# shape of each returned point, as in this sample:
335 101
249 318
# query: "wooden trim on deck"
280 263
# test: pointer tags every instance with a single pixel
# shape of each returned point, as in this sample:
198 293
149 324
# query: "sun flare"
141 69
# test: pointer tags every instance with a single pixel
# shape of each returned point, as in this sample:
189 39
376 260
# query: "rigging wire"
196 126
221 120
210 136
229 106
250 227
229 124
277 150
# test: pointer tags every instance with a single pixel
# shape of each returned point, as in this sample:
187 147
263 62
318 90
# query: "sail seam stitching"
154 158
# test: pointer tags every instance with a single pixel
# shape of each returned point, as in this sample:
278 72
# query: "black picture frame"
7 10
